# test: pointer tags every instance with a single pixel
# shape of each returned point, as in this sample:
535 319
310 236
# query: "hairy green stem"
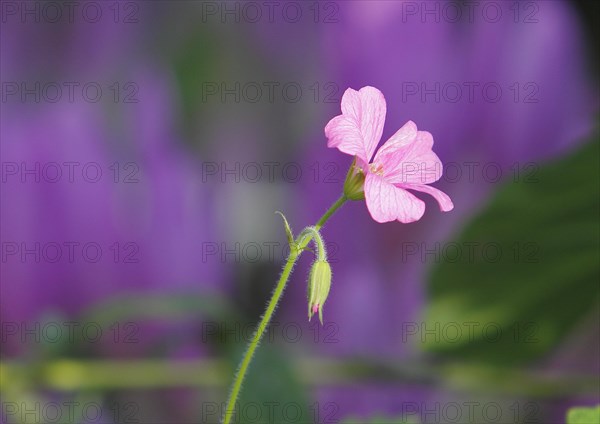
295 252
312 233
239 378
339 202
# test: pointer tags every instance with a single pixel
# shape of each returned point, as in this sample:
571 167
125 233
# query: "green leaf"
513 309
272 391
195 62
160 306
288 230
583 415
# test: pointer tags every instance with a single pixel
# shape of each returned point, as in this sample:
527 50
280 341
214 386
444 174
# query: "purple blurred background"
146 146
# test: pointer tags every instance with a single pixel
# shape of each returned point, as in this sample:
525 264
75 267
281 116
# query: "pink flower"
404 162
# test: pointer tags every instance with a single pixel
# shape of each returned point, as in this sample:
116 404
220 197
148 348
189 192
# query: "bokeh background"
145 146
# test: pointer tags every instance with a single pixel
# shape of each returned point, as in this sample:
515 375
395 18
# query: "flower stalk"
296 248
383 179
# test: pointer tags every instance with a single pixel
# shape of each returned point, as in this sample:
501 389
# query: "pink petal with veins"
387 202
358 129
442 198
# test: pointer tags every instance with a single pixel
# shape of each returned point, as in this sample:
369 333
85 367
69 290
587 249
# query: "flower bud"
354 183
319 283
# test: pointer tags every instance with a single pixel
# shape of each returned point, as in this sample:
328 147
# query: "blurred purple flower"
138 229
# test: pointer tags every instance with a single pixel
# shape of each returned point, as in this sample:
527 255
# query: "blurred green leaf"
122 316
583 415
195 62
160 306
273 390
63 336
514 308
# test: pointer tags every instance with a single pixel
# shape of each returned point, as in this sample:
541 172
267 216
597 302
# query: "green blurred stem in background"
73 375
295 251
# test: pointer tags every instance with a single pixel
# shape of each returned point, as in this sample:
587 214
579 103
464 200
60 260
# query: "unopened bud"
318 288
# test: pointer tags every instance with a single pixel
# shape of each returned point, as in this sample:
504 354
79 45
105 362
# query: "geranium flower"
405 162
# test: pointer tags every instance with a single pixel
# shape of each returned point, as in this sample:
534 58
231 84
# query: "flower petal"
358 129
404 136
387 202
442 198
411 162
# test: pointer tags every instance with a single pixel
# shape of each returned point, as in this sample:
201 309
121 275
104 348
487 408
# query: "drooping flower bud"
318 288
354 183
